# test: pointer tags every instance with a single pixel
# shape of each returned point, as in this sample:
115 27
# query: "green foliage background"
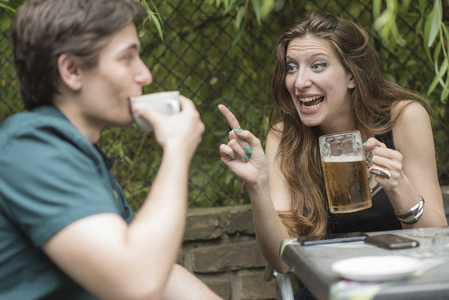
211 60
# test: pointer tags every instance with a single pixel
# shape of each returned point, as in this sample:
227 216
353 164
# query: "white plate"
377 268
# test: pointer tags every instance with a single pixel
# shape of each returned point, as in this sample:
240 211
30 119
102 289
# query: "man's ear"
351 82
70 72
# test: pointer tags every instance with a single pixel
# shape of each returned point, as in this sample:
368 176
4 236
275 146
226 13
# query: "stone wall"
220 247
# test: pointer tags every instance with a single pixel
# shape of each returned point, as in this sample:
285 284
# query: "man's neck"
89 130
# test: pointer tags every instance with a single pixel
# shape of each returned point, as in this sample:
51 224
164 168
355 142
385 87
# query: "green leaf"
7 7
376 8
422 6
240 14
395 32
154 16
239 33
435 22
440 8
445 93
445 32
230 7
256 7
426 37
383 20
266 7
385 24
405 4
422 10
278 5
158 26
439 74
437 51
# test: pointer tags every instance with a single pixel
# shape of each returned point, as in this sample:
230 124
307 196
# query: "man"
66 231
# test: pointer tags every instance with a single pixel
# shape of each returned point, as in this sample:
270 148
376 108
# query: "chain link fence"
203 56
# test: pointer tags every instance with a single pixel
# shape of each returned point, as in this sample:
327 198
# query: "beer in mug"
345 172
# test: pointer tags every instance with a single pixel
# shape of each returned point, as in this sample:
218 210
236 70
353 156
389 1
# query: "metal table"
312 265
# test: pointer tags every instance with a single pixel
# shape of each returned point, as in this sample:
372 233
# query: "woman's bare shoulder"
275 132
413 124
409 110
273 141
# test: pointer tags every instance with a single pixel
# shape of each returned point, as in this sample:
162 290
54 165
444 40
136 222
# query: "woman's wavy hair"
42 30
371 100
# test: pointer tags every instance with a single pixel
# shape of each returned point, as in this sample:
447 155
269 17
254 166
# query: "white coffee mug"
163 102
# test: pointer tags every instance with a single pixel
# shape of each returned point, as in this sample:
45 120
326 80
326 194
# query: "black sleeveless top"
376 218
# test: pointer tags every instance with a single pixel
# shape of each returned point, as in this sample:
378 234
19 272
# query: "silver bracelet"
412 219
412 215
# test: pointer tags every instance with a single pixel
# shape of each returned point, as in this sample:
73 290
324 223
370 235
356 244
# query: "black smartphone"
332 238
391 241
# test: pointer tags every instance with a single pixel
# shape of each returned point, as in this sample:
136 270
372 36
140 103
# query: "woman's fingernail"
238 130
248 150
246 157
365 143
233 155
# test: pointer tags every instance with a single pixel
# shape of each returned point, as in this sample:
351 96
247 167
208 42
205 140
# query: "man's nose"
144 76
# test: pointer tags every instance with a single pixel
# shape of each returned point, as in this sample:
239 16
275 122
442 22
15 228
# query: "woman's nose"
303 80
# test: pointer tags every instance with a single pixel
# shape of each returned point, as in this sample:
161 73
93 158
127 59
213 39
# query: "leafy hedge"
211 60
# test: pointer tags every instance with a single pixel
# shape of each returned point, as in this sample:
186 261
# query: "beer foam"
343 158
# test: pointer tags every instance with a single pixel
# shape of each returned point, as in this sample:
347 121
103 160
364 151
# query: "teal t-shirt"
50 177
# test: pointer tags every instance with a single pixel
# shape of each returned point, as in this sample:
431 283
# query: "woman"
327 79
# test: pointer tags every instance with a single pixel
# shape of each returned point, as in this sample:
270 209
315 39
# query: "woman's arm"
256 171
412 166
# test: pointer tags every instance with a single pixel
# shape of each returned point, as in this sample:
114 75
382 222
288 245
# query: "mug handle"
375 190
370 169
174 106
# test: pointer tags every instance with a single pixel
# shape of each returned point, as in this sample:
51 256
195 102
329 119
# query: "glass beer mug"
345 168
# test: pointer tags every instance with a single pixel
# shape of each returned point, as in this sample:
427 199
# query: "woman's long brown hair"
371 99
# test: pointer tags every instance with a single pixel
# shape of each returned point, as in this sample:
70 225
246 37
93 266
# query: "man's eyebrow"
133 46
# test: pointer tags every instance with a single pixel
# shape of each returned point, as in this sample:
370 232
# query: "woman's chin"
310 123
311 119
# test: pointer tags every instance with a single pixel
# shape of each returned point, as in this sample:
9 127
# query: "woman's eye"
290 68
319 65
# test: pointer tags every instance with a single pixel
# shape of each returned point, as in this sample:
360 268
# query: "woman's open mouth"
311 102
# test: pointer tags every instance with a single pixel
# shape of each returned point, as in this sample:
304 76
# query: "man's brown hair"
44 29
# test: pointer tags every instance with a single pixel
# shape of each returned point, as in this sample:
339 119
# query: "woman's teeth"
308 99
309 106
311 102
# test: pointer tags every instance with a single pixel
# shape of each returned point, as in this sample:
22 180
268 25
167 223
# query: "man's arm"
116 261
